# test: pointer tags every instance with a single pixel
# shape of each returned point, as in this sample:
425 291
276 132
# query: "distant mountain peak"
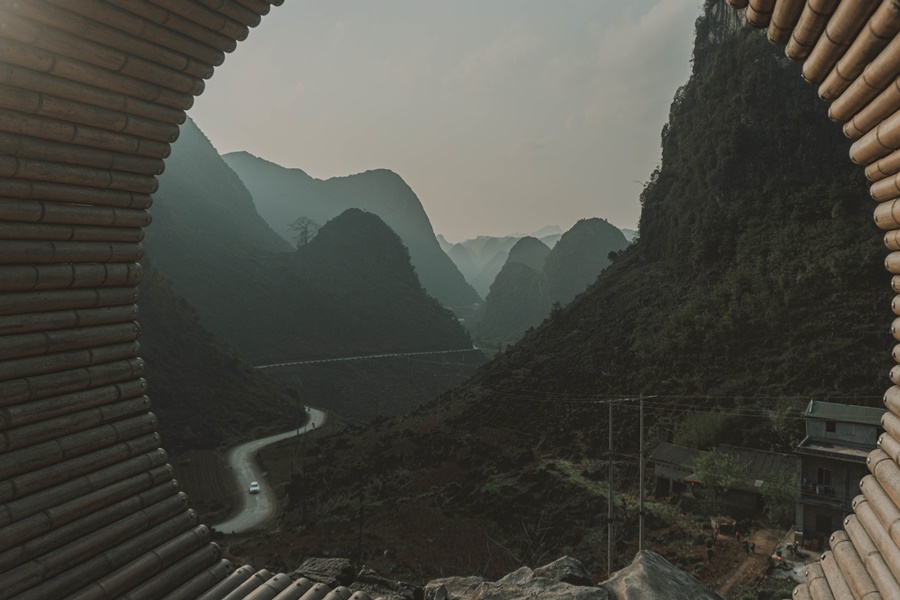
282 195
547 230
529 251
244 157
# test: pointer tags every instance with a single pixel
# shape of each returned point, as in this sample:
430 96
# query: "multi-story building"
832 461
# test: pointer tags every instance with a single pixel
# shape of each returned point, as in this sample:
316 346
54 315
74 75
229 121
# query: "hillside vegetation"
758 270
204 393
755 284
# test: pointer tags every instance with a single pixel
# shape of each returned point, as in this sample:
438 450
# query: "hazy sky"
502 115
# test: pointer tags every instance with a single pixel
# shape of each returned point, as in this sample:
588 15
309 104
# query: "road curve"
256 510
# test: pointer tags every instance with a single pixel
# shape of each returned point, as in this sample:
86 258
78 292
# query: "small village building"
833 455
674 471
672 466
763 469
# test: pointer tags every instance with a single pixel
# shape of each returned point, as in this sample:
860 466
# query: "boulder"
567 570
538 587
521 575
452 588
330 571
376 586
650 576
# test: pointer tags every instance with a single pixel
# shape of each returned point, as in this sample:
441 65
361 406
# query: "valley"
449 301
719 313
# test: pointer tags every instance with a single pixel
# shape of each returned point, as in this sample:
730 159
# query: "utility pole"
641 514
452 395
362 516
609 514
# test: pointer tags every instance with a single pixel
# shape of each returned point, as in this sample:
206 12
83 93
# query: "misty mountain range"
282 195
535 277
357 287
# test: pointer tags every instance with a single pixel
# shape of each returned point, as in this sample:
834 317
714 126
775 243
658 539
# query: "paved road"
364 357
256 510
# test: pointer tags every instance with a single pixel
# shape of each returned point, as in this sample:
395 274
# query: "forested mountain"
757 269
203 392
480 259
579 256
529 251
756 284
353 284
283 195
517 302
535 277
251 288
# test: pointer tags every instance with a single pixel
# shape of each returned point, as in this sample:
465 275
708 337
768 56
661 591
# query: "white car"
254 487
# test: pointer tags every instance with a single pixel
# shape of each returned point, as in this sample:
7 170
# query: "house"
833 455
672 465
674 470
763 468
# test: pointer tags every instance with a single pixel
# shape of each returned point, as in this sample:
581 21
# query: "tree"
701 430
720 473
305 229
780 498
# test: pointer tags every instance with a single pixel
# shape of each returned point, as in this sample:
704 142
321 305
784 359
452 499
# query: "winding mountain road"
256 510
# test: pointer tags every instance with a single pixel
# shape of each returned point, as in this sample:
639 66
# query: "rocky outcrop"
330 571
726 19
649 577
652 576
563 579
538 587
376 586
567 570
452 588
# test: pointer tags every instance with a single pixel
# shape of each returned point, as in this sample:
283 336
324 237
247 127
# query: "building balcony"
825 495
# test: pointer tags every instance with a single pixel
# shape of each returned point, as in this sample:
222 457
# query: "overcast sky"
502 115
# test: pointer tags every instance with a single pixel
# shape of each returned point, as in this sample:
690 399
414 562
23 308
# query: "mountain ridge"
282 195
211 243
520 299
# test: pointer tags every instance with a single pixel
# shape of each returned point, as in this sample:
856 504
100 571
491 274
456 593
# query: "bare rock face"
452 588
519 576
330 571
650 576
567 570
563 579
538 587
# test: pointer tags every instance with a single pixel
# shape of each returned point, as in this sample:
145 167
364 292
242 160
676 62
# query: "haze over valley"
575 316
448 301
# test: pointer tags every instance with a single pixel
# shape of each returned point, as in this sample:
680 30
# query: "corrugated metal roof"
763 466
675 455
846 413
